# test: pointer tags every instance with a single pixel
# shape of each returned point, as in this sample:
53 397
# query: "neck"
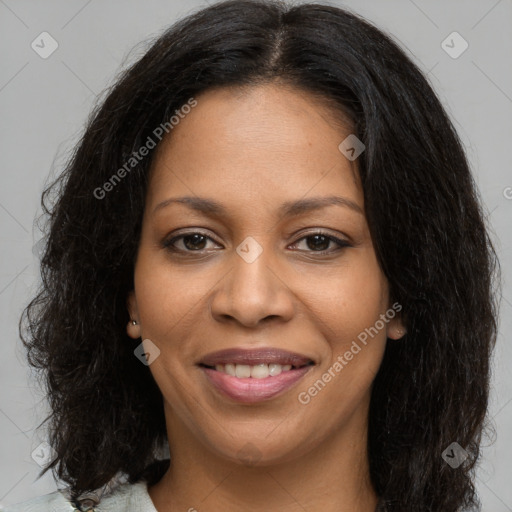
334 477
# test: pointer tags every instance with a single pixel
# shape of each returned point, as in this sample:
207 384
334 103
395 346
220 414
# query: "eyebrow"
287 209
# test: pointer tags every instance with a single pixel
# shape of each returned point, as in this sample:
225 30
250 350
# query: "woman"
267 284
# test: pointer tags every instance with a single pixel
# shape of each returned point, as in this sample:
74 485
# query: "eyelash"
168 244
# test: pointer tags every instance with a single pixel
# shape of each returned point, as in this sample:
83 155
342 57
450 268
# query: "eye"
193 241
196 241
319 241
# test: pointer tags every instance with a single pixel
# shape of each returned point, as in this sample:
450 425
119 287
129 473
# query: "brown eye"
190 242
319 243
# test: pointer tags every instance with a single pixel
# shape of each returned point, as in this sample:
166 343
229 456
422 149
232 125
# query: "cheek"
352 298
351 315
168 302
166 295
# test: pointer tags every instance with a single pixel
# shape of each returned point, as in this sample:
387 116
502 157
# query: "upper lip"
255 356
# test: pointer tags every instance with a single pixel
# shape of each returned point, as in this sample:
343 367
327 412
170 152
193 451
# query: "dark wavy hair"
424 213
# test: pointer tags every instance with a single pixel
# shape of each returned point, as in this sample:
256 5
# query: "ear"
396 329
132 329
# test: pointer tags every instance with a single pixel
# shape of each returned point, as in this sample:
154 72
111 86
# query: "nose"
253 292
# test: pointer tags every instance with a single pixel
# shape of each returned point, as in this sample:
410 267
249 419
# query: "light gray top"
124 498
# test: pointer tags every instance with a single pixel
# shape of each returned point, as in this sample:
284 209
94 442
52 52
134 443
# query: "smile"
250 376
259 371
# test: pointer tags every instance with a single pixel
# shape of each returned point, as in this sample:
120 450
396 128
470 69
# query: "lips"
251 376
254 357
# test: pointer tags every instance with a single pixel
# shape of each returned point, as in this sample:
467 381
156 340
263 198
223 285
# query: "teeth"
229 369
258 371
242 371
274 369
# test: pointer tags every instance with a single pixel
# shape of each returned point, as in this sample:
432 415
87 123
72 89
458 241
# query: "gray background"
45 102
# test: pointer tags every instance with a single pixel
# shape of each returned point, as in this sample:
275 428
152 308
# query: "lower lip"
251 390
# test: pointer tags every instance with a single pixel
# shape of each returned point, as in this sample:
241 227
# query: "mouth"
258 371
254 375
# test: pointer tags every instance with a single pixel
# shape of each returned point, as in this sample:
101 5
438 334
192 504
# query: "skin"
251 150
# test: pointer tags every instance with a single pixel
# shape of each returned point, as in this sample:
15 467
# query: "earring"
134 322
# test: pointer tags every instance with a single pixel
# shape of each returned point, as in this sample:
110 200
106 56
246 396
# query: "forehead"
260 145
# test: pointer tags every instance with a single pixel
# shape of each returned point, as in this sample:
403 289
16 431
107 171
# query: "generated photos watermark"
146 352
454 455
144 150
305 397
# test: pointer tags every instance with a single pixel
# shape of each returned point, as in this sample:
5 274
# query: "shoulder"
55 501
132 497
126 497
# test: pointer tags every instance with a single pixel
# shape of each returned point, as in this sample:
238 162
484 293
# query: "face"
276 272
